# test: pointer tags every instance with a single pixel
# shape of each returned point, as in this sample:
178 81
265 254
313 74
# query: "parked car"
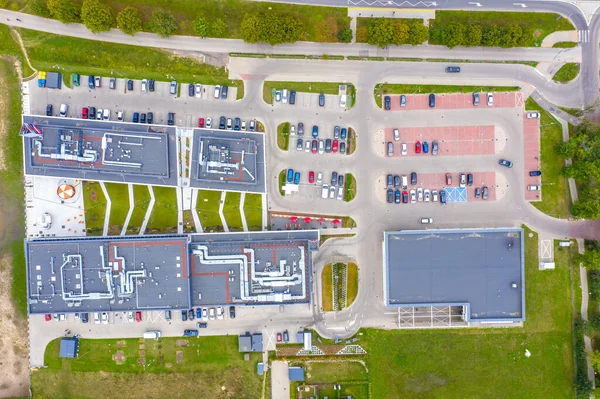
315 131
321 147
477 192
99 113
299 145
200 122
331 192
151 85
191 90
144 85
533 115
425 147
342 148
413 178
397 196
390 180
290 175
321 100
198 88
49 110
121 116
91 84
443 197
232 312
292 97
396 181
413 196
334 146
535 173
202 324
222 121
328 146
98 81
224 91
64 109
300 129
390 149
112 83
340 180
340 194
425 220
418 147
286 336
208 123
237 124
278 96
506 163
463 181
184 315
534 188
284 96
130 85
217 92
170 119
336 132
490 99
387 103
420 194
106 114
279 337
434 148
173 87
452 69
190 333
314 146
138 316
404 149
324 191
469 179
191 315
403 100
84 317
142 118
76 79
427 195
431 100
434 196
84 112
311 177
475 98
396 135
344 133
167 315
334 177
150 118
136 117
297 178
103 318
448 179
390 196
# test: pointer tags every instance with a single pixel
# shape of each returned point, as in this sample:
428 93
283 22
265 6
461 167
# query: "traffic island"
283 136
339 282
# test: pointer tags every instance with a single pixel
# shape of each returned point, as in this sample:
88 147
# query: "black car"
453 69
167 315
150 117
130 85
84 317
184 315
390 180
191 314
191 90
413 178
151 85
202 325
334 177
171 119
236 124
92 112
431 100
535 173
222 121
396 181
340 180
292 97
469 179
49 110
387 103
224 92
477 192
136 117
397 197
506 163
321 100
142 118
390 196
232 312
328 146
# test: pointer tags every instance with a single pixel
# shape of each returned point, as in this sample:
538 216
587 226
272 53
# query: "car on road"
191 90
279 337
387 103
290 175
443 197
434 148
138 317
390 196
342 148
232 312
217 94
448 179
425 220
535 173
300 129
418 147
344 133
173 87
297 176
328 146
184 315
477 192
396 135
198 89
413 196
533 187
463 181
397 196
490 99
420 194
434 196
404 149
144 85
506 163
311 177
403 100
112 83
321 100
413 178
432 100
200 122
331 192
299 145
475 98
427 195
452 69
224 91
484 192
533 115
315 131
151 85
336 132
324 191
321 147
390 149
292 97
425 147
469 179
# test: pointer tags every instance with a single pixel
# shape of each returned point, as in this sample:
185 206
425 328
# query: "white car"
463 181
277 96
99 114
534 188
106 114
331 192
144 85
284 96
217 91
211 313
98 81
307 146
130 317
434 195
96 318
404 149
292 130
64 108
198 90
324 190
427 195
426 220
104 318
229 124
319 178
490 99
205 314
533 115
340 195
220 313
120 116
420 194
396 135
343 101
208 123
413 196
244 125
321 147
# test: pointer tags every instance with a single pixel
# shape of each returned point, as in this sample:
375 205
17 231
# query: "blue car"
198 313
91 82
397 196
432 100
344 133
190 333
425 147
315 132
297 178
290 175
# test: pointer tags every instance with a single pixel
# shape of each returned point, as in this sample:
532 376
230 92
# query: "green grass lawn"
119 197
326 287
208 367
336 371
352 288
541 24
253 211
383 89
304 87
567 72
94 203
68 55
350 187
554 186
283 136
208 210
10 46
141 196
281 180
231 211
564 45
480 363
163 218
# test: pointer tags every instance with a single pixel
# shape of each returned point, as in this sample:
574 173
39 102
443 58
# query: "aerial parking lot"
413 102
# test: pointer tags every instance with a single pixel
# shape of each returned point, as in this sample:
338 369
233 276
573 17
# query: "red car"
48 316
314 146
311 177
138 316
84 113
279 338
201 122
418 147
405 197
448 179
334 148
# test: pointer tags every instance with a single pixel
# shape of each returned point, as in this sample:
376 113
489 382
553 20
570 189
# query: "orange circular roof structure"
65 191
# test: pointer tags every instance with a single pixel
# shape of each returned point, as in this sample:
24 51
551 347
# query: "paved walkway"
372 12
280 380
242 214
560 36
108 206
197 222
179 210
221 205
131 207
148 211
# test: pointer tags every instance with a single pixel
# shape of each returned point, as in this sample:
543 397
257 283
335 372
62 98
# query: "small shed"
245 343
54 80
307 340
260 368
68 347
257 342
296 374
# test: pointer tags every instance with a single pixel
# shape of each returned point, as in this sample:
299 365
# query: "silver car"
413 196
390 149
331 192
420 194
340 194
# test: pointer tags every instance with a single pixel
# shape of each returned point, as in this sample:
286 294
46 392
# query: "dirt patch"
121 344
169 365
141 361
142 347
119 357
142 353
182 342
179 357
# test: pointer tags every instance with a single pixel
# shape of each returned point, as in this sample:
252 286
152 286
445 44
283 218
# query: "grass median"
141 197
208 210
350 187
164 214
566 73
253 211
231 211
283 136
564 45
119 207
304 87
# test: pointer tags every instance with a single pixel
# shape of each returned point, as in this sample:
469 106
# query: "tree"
399 33
588 207
219 28
39 8
326 30
293 29
474 35
97 16
454 35
380 32
129 21
163 23
66 11
345 35
418 33
201 27
511 36
492 36
251 28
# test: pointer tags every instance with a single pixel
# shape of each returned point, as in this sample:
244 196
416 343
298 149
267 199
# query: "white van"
63 110
106 114
284 96
152 335
404 182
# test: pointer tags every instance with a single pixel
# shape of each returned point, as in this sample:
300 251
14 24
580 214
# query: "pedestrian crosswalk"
584 36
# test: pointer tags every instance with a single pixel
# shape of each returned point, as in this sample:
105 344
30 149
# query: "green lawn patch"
564 45
536 25
554 185
231 211
155 371
349 187
283 136
336 371
578 113
383 89
326 287
10 46
282 177
208 210
141 196
480 362
352 282
119 197
253 211
163 218
567 72
325 237
94 203
304 87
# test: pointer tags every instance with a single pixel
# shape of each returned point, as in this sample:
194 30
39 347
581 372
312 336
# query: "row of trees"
383 32
272 28
583 148
458 34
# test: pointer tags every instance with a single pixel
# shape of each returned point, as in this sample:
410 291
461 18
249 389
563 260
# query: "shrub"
163 23
129 21
97 16
345 35
66 11
201 27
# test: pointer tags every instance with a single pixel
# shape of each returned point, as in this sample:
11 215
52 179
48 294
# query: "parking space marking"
456 101
531 155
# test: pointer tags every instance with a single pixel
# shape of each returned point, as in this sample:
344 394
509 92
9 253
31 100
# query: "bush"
271 28
129 21
162 23
39 8
345 35
66 11
594 283
219 28
96 16
418 33
201 27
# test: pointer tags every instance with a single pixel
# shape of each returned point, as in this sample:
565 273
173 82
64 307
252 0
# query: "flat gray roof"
474 267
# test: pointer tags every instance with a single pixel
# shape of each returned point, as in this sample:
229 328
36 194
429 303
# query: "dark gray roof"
53 80
245 343
467 266
68 347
